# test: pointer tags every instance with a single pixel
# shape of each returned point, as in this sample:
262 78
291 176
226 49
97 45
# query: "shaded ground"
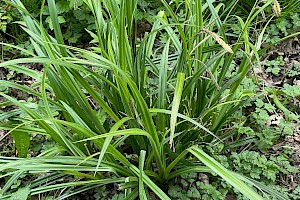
290 51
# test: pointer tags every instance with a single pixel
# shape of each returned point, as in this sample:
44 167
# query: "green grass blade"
16 175
187 170
109 139
162 87
142 193
150 184
175 106
224 173
56 26
155 110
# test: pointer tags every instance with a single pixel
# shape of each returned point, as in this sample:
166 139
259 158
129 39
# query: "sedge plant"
164 106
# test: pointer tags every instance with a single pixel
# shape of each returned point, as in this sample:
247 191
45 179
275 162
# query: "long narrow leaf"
175 105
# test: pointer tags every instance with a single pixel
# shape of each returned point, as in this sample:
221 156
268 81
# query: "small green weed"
5 17
192 187
274 66
259 167
283 26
